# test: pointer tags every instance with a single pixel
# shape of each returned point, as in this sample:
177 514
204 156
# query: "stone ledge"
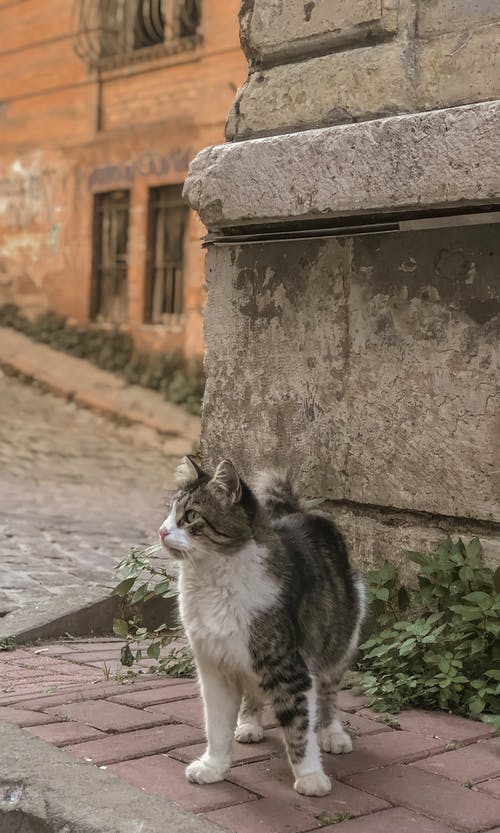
44 789
440 159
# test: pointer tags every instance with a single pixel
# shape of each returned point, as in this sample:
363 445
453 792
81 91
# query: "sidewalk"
437 774
89 387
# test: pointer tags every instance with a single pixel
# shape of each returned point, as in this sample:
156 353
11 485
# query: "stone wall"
353 317
335 61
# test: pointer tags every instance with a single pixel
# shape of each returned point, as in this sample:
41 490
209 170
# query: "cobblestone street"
76 492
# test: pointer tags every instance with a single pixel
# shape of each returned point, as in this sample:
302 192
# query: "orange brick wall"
153 117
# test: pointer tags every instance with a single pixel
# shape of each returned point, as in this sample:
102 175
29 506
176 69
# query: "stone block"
439 16
273 30
459 68
267 816
331 89
63 734
376 356
425 160
395 820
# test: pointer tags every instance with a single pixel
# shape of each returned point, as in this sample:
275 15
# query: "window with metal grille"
164 273
113 32
109 279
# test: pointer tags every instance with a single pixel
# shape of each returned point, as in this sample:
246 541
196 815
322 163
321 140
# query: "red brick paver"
395 820
147 728
108 716
114 748
165 777
469 764
431 795
62 734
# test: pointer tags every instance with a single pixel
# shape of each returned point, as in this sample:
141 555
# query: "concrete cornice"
434 160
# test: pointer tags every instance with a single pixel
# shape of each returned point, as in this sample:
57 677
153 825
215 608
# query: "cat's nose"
163 533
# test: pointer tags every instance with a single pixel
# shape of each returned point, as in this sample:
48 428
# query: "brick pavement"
437 774
76 493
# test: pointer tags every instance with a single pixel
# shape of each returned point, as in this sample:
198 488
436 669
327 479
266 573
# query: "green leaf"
479 598
162 587
123 588
140 593
120 627
417 557
473 548
382 594
407 646
126 656
154 650
493 674
476 706
466 573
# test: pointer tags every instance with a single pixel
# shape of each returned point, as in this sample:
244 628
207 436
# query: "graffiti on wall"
27 192
150 164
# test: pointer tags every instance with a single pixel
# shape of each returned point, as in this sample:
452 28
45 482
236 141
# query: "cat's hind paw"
249 733
335 740
204 772
316 783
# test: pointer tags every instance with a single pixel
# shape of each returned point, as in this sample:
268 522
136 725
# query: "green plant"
445 652
144 577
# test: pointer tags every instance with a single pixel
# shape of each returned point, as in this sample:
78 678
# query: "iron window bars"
167 218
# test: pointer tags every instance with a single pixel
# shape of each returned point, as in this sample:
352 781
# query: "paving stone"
441 725
361 725
265 816
77 693
395 820
437 797
243 753
183 711
136 744
349 702
25 718
469 764
55 459
491 786
110 717
371 751
62 734
273 779
160 694
165 777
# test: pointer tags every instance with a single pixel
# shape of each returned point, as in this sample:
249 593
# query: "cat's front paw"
316 783
249 733
205 772
335 740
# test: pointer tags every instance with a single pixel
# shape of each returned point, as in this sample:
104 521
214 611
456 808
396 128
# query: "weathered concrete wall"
329 62
371 365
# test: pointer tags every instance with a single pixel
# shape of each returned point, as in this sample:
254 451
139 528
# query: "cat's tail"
277 493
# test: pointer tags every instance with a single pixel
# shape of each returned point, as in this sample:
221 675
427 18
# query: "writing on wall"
150 164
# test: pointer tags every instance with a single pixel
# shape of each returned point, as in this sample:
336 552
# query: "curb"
88 613
76 380
44 790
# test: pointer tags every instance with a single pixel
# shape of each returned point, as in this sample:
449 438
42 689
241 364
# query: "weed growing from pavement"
144 576
446 653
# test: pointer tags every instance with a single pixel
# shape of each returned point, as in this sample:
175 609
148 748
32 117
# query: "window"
109 284
164 283
113 32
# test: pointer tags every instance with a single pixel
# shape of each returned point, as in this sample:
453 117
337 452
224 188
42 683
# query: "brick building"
102 106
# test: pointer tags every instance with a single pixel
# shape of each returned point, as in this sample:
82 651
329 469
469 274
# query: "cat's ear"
226 477
187 471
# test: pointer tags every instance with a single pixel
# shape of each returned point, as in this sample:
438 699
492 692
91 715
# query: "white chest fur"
220 596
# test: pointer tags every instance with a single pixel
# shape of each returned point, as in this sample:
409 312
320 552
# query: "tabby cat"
272 610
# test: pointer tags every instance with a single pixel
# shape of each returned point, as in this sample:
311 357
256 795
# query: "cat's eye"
190 516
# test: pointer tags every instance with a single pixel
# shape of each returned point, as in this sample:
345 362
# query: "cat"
272 610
